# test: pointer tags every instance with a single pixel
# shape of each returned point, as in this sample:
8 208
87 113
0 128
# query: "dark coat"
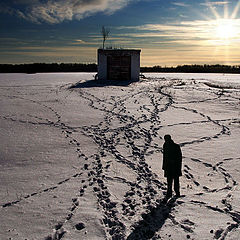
172 159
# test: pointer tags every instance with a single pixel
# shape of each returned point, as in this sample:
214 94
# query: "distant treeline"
194 69
80 67
47 67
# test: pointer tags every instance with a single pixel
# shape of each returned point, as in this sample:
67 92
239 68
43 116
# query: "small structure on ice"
118 64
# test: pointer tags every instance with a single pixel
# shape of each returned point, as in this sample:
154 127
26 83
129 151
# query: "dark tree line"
47 67
80 67
194 69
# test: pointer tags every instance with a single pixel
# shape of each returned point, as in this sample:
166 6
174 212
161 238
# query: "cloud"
198 32
180 4
79 41
56 11
216 3
82 42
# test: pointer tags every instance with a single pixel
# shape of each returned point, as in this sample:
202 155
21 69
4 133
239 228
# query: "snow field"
84 162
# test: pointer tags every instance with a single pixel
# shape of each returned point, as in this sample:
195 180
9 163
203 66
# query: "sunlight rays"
235 11
213 9
225 11
225 30
226 27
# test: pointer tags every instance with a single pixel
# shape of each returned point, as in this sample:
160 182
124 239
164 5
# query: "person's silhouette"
172 165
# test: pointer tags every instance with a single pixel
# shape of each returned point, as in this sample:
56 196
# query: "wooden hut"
118 64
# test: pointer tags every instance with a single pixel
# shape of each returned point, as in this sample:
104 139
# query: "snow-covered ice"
80 160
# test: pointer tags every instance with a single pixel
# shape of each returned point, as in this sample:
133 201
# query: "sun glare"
225 29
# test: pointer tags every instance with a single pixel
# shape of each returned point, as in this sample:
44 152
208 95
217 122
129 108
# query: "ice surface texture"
85 162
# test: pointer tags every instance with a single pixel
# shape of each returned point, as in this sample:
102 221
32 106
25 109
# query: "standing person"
172 165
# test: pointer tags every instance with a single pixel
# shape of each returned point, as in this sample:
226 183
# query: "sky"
169 33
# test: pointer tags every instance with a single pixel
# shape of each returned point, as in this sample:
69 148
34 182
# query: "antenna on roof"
105 33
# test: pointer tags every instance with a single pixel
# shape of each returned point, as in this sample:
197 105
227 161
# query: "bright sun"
225 29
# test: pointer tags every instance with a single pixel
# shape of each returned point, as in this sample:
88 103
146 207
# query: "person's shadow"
153 221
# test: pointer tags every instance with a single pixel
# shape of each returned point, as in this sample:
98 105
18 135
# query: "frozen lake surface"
85 162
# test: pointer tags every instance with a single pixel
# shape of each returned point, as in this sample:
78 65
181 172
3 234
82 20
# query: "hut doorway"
119 67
